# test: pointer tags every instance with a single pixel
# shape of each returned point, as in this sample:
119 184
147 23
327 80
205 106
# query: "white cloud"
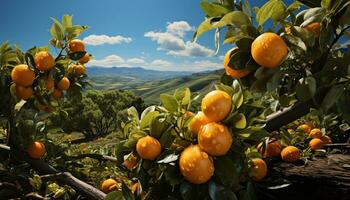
173 43
95 40
160 63
108 61
135 61
157 64
192 49
179 28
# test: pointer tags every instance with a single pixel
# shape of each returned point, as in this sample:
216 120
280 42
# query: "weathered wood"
320 178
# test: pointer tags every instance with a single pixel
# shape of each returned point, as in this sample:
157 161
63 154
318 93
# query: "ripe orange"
22 75
79 69
272 149
306 128
24 92
197 122
36 150
109 185
63 84
76 45
315 144
316 133
148 148
314 27
216 105
258 169
290 154
85 59
49 83
215 139
44 61
232 72
195 165
130 163
57 94
326 139
269 50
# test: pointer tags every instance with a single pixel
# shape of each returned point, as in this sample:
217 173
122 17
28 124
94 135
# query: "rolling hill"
149 84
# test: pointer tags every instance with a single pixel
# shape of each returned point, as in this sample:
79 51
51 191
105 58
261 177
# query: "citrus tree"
32 85
283 56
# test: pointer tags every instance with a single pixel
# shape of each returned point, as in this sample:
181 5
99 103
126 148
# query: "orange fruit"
49 83
258 169
315 144
290 154
22 75
314 27
36 150
80 69
76 45
134 187
197 122
24 92
216 105
57 94
195 165
63 84
148 148
306 128
108 185
269 50
44 61
130 163
272 149
326 139
215 139
316 133
85 59
233 72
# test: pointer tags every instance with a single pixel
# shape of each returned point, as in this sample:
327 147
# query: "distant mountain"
132 73
149 84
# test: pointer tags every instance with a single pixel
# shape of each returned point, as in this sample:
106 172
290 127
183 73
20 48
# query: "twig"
60 54
94 156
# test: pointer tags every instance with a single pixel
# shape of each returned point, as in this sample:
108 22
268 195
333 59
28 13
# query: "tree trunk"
320 178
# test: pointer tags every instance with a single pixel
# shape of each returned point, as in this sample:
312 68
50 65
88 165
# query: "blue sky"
155 34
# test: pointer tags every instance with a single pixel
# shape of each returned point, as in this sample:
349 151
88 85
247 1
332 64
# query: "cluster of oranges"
268 50
318 139
23 76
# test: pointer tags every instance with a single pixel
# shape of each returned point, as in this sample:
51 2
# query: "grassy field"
150 90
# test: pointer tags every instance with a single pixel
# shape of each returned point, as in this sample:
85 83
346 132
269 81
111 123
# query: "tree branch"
66 178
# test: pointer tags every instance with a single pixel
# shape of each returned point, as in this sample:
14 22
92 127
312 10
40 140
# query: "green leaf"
57 30
326 4
147 110
239 121
332 97
183 96
308 37
76 55
148 118
158 126
229 90
294 41
169 158
133 114
127 194
115 195
75 31
274 9
236 18
169 102
345 18
187 191
313 15
225 170
203 27
343 105
246 7
67 21
213 9
306 88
